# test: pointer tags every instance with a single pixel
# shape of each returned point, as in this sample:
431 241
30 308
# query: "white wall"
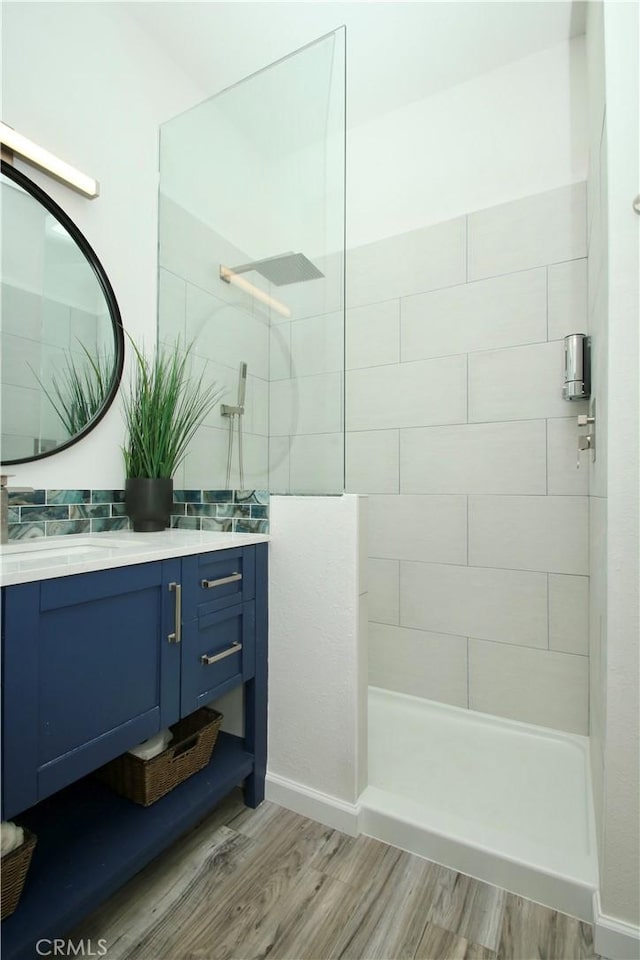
84 81
613 44
598 329
317 658
515 131
620 862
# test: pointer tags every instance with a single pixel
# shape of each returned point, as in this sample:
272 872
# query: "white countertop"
44 558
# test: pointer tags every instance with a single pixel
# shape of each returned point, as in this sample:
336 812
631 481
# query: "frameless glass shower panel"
251 254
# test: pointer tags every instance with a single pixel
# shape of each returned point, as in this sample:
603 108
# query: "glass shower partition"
251 270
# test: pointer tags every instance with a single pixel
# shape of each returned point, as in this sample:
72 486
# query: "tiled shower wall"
226 327
456 428
293 425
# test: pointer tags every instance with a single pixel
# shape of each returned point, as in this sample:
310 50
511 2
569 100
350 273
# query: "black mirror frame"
114 311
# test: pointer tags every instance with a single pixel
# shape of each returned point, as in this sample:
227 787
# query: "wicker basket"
145 781
14 870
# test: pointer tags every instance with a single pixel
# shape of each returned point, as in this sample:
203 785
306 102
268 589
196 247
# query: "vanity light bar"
39 157
228 275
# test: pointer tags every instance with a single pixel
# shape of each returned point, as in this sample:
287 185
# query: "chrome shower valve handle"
587 441
584 443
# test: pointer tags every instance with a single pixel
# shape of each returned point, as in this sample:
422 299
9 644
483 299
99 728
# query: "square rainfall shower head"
284 269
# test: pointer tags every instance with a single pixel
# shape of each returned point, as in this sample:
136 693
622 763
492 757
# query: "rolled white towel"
11 837
153 746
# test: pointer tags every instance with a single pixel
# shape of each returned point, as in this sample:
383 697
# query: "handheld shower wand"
232 412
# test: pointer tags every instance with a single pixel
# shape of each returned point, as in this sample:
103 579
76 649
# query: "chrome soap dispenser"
577 367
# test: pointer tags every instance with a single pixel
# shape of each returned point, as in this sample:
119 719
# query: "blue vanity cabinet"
93 664
97 662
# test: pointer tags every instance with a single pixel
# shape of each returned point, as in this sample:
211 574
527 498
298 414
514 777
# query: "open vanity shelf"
91 841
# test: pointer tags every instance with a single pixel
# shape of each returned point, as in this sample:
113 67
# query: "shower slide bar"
236 413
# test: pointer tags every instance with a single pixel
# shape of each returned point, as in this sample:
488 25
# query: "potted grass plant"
164 406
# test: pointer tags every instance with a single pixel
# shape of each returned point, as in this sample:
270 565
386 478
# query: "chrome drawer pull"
234 648
208 584
176 636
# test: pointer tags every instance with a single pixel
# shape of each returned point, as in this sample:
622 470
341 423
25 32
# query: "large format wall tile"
407 394
191 249
225 333
412 262
532 232
494 436
567 299
21 361
505 605
206 462
569 613
373 334
172 304
279 478
484 315
280 351
31 315
418 528
24 403
418 663
372 461
256 406
529 533
306 405
519 383
317 345
536 686
317 463
474 458
384 590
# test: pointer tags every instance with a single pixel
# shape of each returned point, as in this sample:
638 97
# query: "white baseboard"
322 807
614 939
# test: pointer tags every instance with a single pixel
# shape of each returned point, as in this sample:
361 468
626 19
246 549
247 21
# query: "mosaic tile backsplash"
50 513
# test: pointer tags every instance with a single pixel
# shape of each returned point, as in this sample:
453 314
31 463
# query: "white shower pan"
505 802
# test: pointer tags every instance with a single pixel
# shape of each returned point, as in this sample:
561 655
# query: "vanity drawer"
218 653
214 581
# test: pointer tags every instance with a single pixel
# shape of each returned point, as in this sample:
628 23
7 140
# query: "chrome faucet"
4 505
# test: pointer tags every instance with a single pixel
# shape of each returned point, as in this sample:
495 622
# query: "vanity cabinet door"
83 673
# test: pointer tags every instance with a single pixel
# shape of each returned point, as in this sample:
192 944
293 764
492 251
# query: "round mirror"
61 338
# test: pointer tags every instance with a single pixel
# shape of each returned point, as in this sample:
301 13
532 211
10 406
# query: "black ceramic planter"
148 502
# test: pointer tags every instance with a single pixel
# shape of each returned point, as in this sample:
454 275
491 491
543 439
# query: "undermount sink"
32 549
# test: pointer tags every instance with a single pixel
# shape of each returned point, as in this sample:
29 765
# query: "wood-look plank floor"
249 884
